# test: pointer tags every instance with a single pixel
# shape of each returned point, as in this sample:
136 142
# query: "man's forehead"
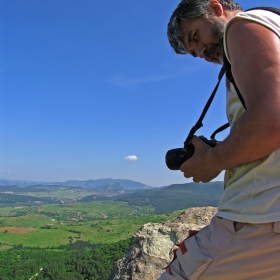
186 25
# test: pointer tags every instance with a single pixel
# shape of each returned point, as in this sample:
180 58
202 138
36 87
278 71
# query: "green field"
50 226
48 230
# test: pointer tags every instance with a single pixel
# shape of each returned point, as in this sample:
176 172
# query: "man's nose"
200 51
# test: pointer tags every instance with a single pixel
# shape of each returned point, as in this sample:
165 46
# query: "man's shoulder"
257 16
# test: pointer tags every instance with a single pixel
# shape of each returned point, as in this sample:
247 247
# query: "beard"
215 50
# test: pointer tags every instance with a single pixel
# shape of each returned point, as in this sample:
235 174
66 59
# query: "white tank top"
252 191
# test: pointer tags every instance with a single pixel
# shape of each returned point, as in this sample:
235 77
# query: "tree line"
78 261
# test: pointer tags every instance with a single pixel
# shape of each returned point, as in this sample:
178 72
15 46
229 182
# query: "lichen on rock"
152 245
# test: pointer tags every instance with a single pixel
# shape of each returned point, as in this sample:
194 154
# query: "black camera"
176 157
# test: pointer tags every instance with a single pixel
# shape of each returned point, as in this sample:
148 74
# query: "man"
243 239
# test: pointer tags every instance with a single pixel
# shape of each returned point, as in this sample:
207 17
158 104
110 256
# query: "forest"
78 261
177 197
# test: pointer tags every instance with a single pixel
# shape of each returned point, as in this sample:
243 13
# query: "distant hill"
179 196
34 188
111 195
171 198
6 182
162 200
99 184
7 199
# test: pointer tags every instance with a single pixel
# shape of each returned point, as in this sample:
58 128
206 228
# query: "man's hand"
200 166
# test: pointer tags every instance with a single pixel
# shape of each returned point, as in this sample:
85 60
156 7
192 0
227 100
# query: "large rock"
152 245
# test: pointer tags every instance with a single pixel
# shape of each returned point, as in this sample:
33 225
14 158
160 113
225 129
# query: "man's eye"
195 36
193 54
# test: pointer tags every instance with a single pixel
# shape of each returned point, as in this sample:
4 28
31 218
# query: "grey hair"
190 9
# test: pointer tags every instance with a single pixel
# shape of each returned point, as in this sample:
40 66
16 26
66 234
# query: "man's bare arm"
254 52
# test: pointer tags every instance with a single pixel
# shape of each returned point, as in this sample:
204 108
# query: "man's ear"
215 8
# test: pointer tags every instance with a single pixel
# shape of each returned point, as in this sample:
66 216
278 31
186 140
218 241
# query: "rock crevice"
152 245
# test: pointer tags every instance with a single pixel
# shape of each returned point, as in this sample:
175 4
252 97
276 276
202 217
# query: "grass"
6 210
99 231
97 222
97 210
29 220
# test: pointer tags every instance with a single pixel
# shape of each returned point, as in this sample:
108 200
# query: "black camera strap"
199 123
220 129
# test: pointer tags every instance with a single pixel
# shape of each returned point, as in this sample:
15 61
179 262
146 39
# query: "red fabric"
182 245
169 269
192 232
183 249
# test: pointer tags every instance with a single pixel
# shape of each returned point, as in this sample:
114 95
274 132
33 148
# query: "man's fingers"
186 175
196 141
183 167
196 180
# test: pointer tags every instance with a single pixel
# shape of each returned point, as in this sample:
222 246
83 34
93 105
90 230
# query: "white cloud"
132 157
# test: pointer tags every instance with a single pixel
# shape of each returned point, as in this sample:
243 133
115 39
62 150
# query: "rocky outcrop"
152 245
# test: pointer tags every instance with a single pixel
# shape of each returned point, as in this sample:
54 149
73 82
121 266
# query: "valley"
78 222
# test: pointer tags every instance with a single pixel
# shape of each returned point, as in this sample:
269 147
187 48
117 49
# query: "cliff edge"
152 245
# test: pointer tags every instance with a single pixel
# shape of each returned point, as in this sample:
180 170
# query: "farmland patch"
17 230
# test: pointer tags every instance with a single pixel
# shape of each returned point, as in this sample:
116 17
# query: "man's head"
197 27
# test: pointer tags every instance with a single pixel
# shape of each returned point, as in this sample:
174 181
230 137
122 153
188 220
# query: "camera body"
176 157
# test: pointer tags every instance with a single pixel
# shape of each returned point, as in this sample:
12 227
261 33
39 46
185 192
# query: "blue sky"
91 89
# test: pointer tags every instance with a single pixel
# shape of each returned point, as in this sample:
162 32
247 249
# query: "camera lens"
175 158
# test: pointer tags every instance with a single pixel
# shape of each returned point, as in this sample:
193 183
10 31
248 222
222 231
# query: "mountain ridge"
125 184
